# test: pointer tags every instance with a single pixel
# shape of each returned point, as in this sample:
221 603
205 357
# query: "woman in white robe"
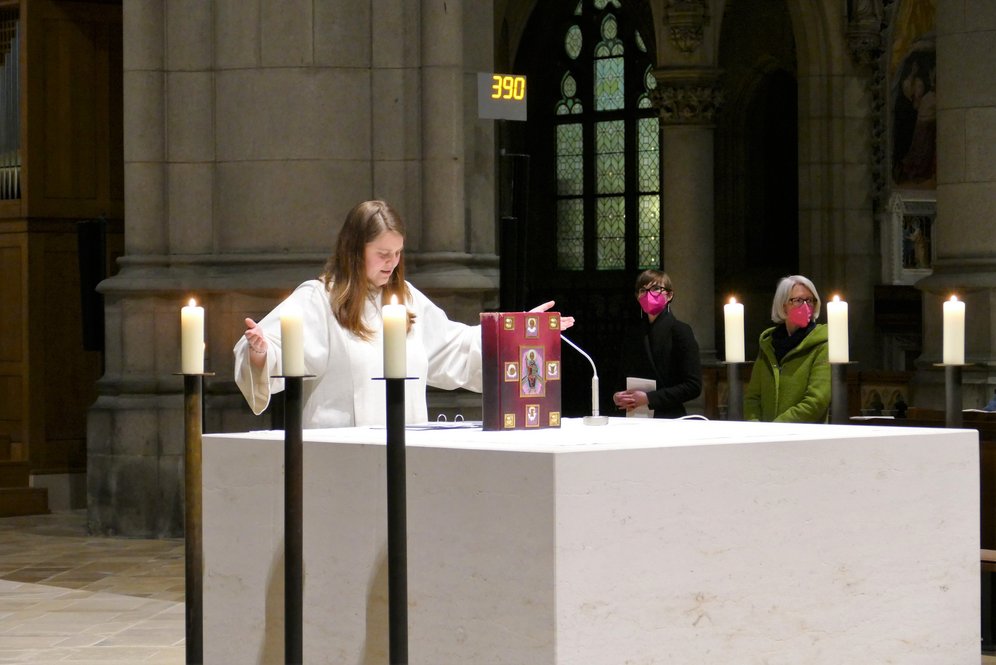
440 353
343 333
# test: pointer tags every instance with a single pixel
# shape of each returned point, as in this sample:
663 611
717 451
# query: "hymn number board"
501 96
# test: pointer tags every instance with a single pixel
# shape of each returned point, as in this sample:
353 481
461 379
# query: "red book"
521 356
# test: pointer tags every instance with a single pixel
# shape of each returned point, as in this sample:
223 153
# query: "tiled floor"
66 597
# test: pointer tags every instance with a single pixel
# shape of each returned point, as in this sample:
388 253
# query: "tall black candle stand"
193 419
293 520
838 393
952 395
397 527
735 401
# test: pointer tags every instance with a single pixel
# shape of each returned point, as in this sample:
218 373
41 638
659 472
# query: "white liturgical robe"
440 353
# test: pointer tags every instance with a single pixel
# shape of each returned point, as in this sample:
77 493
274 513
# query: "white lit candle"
395 336
733 314
292 340
954 331
837 323
192 339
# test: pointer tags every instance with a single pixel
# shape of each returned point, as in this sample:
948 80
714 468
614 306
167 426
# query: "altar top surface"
619 434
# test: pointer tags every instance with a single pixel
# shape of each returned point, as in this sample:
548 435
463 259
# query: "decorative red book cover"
521 356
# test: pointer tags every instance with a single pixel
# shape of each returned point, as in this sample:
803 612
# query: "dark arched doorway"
757 143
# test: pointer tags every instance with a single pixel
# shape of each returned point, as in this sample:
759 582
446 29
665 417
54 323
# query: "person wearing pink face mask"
662 348
790 380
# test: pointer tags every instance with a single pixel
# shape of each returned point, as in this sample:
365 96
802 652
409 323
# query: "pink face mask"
800 316
653 303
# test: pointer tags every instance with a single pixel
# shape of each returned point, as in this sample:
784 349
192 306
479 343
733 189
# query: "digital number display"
501 96
506 86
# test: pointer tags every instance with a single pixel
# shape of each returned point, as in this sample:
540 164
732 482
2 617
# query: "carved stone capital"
687 97
865 45
864 31
685 20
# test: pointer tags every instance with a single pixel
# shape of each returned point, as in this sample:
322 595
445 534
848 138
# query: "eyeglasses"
798 302
656 289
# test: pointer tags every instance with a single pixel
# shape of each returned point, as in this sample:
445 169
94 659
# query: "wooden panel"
69 70
73 152
12 273
13 324
11 405
114 127
47 379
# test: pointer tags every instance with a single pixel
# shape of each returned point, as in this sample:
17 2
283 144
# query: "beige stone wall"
964 233
251 128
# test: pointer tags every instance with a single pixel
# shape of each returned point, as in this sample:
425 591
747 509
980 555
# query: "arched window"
605 142
589 160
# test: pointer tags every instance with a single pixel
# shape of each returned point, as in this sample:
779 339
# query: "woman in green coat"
790 380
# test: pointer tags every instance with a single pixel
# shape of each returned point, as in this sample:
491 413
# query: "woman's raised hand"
565 321
257 343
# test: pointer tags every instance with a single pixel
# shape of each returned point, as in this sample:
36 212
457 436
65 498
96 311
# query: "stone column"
132 472
687 100
443 263
442 127
964 235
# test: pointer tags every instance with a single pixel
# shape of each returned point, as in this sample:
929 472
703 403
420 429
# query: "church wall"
251 128
964 242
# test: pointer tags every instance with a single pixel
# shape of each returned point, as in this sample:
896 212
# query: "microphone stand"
594 418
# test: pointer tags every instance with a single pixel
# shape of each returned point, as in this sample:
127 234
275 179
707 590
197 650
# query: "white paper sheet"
646 385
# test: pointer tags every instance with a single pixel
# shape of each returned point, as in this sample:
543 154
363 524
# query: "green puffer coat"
798 390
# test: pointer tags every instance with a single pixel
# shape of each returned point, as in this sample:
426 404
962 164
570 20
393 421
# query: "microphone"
594 418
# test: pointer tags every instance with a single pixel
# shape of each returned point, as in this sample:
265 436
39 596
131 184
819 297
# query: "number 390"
508 87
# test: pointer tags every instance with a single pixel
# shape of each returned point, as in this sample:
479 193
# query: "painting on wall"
916 242
913 227
913 100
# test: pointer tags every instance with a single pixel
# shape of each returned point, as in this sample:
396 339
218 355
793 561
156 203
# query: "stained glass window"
650 230
610 225
648 155
569 103
606 135
570 234
610 157
572 42
609 68
570 159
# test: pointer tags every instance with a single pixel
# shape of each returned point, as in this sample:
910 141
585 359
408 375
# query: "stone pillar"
460 279
132 472
964 234
687 100
443 214
144 125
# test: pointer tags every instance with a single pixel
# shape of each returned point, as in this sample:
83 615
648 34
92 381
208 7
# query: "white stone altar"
645 541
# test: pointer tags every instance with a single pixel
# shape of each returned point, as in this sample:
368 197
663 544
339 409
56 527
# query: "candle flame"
733 301
954 298
192 303
836 298
394 300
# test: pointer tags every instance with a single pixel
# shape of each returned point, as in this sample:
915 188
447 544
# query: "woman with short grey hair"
790 380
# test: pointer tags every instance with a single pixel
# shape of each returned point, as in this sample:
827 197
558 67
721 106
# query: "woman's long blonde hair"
345 273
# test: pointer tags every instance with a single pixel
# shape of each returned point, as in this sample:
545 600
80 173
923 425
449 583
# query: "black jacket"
667 352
